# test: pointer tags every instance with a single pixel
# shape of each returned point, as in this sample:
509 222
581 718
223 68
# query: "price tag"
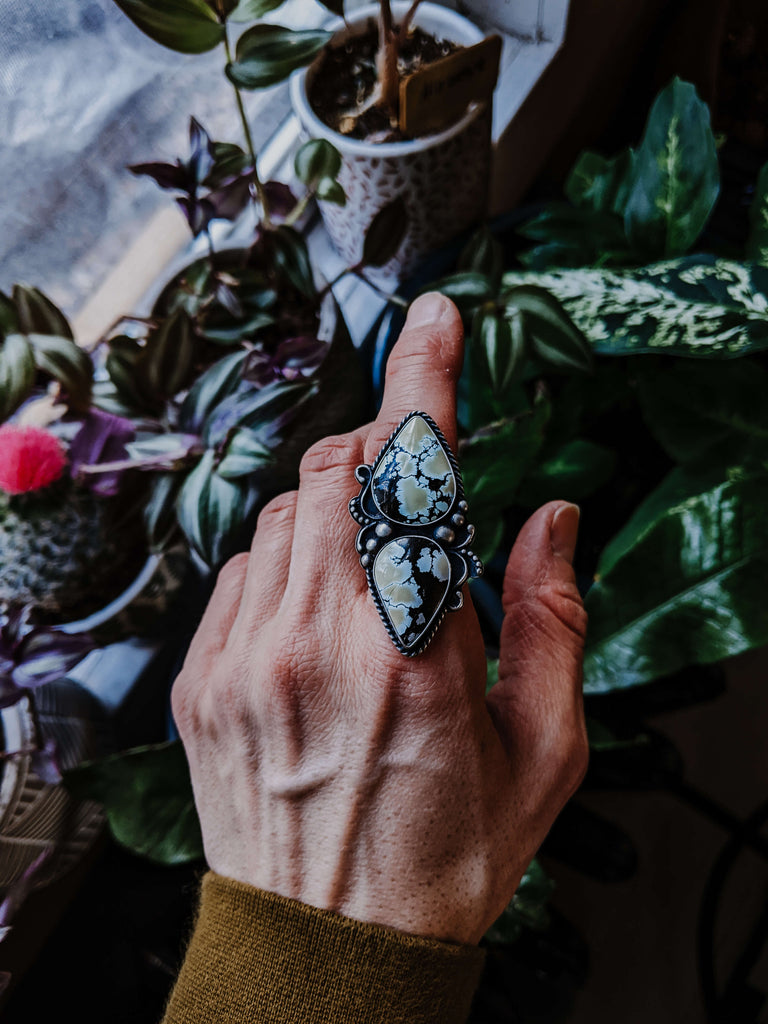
437 95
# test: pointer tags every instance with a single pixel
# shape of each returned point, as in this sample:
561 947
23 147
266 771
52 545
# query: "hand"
329 768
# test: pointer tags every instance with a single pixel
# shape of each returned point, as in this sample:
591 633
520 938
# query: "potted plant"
354 96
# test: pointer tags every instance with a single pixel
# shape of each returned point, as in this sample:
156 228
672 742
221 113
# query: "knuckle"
232 573
184 705
276 510
565 605
573 763
327 454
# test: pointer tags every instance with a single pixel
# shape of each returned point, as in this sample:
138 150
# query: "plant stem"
299 208
249 142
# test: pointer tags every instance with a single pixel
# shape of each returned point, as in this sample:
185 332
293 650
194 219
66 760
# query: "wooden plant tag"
437 95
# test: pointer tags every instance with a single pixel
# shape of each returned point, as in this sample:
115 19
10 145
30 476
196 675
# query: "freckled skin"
329 768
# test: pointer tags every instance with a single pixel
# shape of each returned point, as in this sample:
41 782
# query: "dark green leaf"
549 331
690 591
17 373
207 392
147 796
169 353
252 10
334 6
483 254
36 314
599 184
290 254
160 508
315 160
695 409
385 233
269 409
468 289
330 191
695 306
528 908
211 511
67 363
574 472
501 340
572 236
757 243
267 54
676 177
187 26
9 317
245 329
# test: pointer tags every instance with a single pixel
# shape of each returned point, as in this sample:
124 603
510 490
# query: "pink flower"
30 459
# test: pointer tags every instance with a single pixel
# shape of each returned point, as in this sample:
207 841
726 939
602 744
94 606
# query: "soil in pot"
343 89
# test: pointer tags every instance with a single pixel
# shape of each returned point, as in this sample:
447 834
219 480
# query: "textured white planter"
443 178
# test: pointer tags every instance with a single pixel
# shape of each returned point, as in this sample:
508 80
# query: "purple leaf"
45 763
45 655
102 438
201 152
167 176
280 199
19 890
230 199
199 213
292 359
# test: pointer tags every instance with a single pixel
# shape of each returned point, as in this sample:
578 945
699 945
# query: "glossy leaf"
210 511
17 373
385 233
698 412
483 254
330 191
694 306
501 341
169 354
270 409
468 289
187 26
291 258
690 591
570 236
67 363
676 177
147 796
315 160
549 331
267 54
757 242
9 316
252 10
245 454
160 508
37 314
601 184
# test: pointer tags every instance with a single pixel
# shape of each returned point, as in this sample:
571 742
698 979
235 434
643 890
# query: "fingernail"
564 531
427 309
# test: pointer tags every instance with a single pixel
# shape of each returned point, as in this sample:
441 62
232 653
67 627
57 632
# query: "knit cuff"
256 956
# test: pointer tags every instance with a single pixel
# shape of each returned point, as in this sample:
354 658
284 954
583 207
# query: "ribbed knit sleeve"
262 959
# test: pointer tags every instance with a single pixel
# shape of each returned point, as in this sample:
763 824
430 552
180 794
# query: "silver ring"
414 537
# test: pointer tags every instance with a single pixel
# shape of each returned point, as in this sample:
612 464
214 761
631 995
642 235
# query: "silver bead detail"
445 534
458 520
370 545
383 529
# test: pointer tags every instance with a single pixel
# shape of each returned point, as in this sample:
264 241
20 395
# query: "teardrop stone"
414 481
412 576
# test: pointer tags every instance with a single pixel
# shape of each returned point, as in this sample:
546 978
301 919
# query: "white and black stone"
414 482
411 577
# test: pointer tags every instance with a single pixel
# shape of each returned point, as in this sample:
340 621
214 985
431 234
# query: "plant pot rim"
433 16
114 607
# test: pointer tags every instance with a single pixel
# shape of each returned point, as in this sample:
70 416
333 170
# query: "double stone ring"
414 537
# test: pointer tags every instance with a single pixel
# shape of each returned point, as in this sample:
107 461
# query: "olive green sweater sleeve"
262 959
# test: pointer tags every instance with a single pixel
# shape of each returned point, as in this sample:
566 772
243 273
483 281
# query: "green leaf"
187 26
696 409
252 10
501 340
552 335
572 236
385 233
67 363
290 255
574 472
209 389
147 796
9 317
245 454
690 591
483 254
211 511
677 487
160 508
269 408
330 191
267 54
168 355
757 242
17 373
676 178
315 160
334 6
36 314
601 184
494 460
468 289
694 306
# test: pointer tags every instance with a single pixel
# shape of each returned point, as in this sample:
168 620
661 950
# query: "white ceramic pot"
443 178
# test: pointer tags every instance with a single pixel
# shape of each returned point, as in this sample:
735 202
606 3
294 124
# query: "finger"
422 370
215 625
537 703
268 564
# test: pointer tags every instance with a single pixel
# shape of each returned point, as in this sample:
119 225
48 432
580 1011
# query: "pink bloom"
30 459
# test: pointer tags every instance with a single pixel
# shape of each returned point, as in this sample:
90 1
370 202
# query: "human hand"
329 768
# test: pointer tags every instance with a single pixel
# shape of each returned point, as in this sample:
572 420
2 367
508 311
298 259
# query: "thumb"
537 703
